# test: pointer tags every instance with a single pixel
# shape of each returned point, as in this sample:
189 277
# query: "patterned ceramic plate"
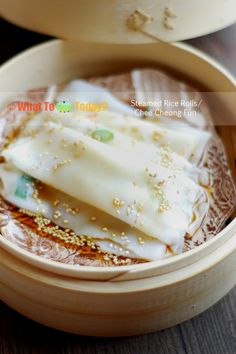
22 230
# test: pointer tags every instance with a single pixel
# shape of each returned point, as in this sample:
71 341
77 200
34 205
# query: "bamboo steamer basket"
121 21
127 300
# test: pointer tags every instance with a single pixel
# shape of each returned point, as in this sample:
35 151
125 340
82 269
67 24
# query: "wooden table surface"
214 331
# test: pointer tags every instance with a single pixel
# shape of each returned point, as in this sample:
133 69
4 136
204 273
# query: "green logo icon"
64 107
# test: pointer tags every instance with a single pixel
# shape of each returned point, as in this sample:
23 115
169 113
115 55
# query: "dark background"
214 331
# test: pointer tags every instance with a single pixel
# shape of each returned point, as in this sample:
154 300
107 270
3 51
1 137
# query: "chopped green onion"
103 135
22 188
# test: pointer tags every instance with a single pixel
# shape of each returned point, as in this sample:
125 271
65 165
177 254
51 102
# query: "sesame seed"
117 202
156 136
61 164
141 241
57 214
56 202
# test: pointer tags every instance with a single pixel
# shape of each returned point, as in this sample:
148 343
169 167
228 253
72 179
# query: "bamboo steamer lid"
139 21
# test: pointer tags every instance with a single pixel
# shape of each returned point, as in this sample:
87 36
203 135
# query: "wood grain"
221 46
211 332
